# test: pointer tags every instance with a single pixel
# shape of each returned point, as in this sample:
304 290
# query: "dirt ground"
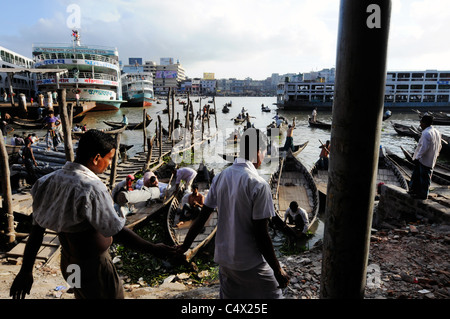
406 261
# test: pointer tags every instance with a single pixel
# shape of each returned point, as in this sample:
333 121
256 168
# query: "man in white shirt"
248 267
424 158
298 216
185 174
75 203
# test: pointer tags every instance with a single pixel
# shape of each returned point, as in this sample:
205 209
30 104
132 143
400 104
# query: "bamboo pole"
215 112
6 192
144 128
149 153
160 138
171 123
67 128
169 110
112 176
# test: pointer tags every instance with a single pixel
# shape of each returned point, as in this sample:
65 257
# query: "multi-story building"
21 83
168 76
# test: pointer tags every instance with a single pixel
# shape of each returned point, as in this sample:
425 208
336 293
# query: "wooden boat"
416 133
178 233
319 124
30 125
441 172
13 149
225 109
439 118
406 130
107 131
239 120
130 126
387 173
293 182
230 157
40 124
265 109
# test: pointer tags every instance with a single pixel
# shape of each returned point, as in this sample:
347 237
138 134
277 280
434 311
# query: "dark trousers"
298 221
420 180
99 277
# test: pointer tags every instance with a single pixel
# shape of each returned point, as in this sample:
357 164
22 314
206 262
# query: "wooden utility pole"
112 176
171 123
169 111
144 127
67 127
6 192
361 54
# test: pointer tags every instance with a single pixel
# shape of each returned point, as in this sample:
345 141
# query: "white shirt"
300 211
428 147
241 196
74 199
186 174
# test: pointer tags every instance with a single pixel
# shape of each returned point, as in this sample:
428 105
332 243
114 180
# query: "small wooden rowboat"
230 157
178 232
293 182
387 173
130 126
319 124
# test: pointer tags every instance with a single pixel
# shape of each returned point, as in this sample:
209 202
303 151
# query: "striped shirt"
74 199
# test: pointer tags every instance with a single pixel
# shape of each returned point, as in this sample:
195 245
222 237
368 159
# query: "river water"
389 138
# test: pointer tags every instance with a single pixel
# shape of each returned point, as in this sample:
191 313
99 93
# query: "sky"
230 38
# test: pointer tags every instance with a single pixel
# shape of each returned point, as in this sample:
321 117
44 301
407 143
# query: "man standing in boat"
289 143
314 115
248 267
424 158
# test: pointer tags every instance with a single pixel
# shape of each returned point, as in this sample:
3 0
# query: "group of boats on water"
291 181
94 81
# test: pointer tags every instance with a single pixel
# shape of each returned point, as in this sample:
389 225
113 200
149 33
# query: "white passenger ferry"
93 73
21 83
404 91
137 86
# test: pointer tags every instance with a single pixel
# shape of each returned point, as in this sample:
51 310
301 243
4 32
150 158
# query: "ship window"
416 88
430 76
417 76
442 98
428 98
403 76
445 75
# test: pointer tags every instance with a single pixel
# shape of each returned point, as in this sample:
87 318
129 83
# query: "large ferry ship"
137 86
405 91
93 73
20 83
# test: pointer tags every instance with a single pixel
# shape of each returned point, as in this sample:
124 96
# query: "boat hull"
138 100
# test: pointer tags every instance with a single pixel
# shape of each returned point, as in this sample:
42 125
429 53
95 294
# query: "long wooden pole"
144 127
67 128
112 176
363 28
6 192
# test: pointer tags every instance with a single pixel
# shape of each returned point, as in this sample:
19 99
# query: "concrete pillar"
355 136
